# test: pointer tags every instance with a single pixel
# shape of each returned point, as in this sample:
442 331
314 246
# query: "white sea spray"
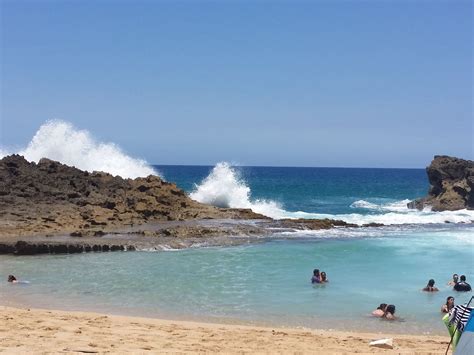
224 187
61 141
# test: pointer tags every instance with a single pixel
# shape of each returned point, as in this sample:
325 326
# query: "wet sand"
45 331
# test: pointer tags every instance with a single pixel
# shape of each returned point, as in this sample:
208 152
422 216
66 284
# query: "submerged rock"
452 185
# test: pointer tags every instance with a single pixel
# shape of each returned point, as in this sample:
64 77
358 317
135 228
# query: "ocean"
268 283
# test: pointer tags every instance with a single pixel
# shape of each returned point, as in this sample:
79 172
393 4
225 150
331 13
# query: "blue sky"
320 83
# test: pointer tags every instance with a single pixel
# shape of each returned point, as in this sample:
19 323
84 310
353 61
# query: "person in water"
12 279
454 281
389 312
380 311
324 278
316 279
445 308
430 287
462 286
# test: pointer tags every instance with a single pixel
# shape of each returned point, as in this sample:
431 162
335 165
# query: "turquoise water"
265 283
268 283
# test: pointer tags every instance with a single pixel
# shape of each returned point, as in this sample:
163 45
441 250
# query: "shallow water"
265 283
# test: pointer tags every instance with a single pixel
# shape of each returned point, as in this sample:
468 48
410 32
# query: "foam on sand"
61 141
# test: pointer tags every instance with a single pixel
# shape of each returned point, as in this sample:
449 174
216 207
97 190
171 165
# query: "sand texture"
43 331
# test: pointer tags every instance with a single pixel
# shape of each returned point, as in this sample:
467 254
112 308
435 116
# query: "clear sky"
320 83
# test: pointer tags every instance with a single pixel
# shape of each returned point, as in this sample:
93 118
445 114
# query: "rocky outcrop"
312 224
452 185
52 208
50 198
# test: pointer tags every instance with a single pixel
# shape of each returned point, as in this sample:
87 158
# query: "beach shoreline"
52 331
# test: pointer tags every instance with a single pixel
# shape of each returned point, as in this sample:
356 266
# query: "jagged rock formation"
50 208
51 197
452 185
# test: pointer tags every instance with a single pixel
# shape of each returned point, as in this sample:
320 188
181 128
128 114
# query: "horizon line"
293 166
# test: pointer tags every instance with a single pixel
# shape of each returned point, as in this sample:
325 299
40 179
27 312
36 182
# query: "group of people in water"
387 311
459 284
319 277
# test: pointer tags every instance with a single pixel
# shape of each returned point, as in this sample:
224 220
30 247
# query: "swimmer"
12 279
324 278
454 281
390 312
380 311
462 285
445 308
316 279
430 287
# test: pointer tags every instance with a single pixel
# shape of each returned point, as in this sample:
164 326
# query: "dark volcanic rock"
452 185
312 224
50 197
30 248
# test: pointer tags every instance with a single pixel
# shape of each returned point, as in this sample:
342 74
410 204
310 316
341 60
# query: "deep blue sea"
312 190
268 282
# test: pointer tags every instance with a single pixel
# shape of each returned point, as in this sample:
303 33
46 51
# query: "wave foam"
398 206
225 188
407 216
61 141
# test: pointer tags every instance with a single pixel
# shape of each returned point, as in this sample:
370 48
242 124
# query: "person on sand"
454 281
12 279
316 279
324 278
389 312
462 286
380 311
445 308
430 287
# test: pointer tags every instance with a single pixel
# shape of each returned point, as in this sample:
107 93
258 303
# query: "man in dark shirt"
462 286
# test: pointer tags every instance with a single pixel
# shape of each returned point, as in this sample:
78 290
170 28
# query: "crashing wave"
225 188
61 141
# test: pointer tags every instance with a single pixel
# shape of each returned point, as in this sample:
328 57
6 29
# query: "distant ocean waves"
224 187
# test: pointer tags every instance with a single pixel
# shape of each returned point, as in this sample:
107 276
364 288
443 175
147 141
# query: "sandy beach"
47 331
